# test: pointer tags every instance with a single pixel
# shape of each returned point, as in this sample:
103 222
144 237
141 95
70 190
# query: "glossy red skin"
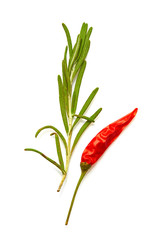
104 138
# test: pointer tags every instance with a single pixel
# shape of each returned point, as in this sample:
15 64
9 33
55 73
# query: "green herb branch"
72 74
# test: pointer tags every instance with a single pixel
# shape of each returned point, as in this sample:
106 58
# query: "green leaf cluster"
73 70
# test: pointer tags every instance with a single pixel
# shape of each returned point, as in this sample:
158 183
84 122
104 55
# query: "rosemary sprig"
72 73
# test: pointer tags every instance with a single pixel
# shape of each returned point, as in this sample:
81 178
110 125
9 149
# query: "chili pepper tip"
135 111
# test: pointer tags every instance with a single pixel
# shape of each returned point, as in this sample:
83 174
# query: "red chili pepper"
98 145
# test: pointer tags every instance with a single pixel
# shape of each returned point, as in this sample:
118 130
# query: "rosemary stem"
74 195
68 154
61 183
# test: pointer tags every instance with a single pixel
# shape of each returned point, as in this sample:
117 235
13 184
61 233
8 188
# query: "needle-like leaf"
66 80
65 88
57 131
49 159
77 88
84 117
83 36
86 105
66 76
59 152
65 54
85 45
81 59
88 34
83 128
62 103
75 52
83 30
68 38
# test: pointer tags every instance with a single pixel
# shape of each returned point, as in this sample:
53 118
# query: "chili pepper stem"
74 195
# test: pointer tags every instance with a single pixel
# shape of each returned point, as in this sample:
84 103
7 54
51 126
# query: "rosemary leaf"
65 53
83 128
83 36
49 159
84 117
66 76
75 52
62 103
83 30
88 34
59 152
82 58
77 88
68 38
65 88
86 105
57 131
85 40
66 80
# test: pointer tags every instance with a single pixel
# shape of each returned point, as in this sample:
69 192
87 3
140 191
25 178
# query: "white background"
120 197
